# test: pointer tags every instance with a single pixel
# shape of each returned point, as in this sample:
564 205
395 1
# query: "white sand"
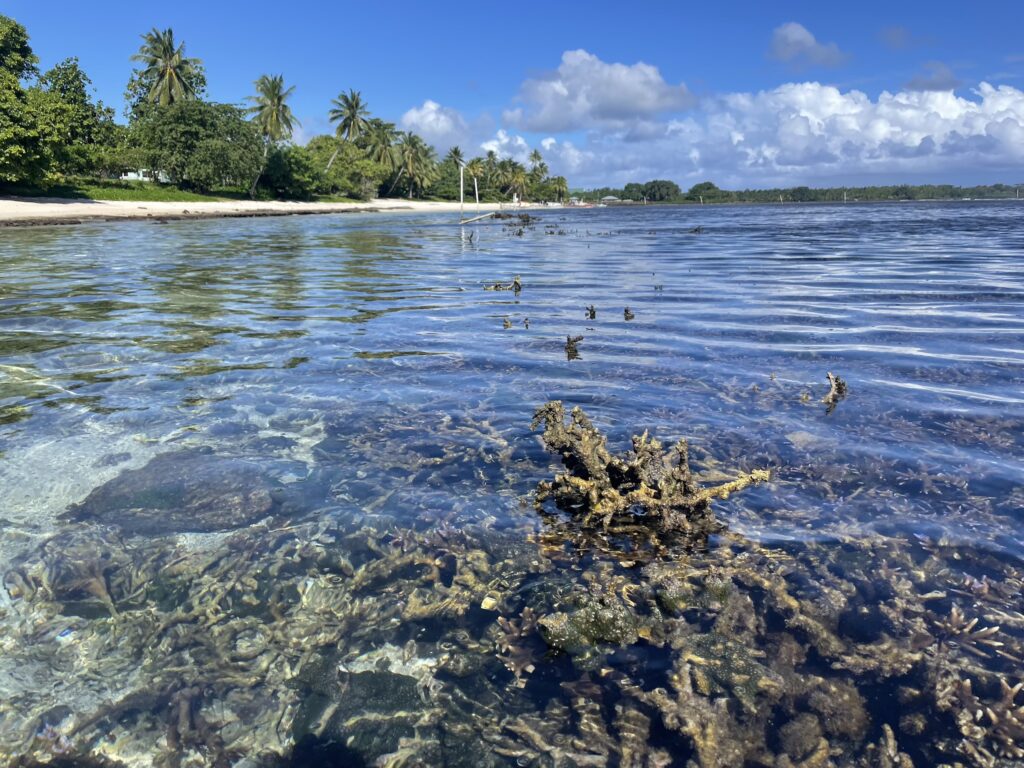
24 210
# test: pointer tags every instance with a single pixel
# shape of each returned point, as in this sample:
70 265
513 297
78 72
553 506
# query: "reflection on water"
269 490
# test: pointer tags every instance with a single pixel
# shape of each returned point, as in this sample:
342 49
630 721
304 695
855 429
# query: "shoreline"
42 211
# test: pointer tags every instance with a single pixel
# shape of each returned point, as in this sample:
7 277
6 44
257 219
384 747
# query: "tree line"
51 131
661 191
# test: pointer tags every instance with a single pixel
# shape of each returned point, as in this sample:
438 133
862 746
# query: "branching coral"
649 487
966 634
514 648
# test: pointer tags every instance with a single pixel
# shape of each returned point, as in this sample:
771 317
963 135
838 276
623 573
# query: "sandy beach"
30 211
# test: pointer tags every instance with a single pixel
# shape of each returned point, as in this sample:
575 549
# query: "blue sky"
745 94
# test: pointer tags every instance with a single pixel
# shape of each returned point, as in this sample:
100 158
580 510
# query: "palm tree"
378 139
456 156
518 181
350 113
167 67
560 187
491 163
272 115
416 160
476 169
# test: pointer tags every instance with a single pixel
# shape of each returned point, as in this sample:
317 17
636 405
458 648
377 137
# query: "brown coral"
649 488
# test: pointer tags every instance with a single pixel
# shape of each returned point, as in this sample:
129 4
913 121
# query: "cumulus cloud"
936 77
808 133
585 92
505 144
440 126
793 43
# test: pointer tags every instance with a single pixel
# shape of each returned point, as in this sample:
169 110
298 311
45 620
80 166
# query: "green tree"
379 140
476 169
272 115
417 162
560 187
22 152
350 113
199 145
355 174
92 133
455 155
34 124
291 172
538 168
168 76
660 190
16 55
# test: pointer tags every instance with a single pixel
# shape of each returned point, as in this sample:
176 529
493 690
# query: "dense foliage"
707 192
52 133
199 145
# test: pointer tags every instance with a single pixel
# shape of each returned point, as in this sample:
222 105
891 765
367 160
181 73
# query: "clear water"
357 366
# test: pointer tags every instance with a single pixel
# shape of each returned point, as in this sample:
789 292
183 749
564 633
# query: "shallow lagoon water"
337 404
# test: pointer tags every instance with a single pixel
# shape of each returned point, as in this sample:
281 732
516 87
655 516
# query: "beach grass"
140 191
127 191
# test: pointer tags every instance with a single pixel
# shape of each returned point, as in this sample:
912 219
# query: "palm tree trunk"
395 182
263 167
331 161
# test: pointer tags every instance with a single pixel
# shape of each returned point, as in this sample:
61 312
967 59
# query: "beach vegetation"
57 139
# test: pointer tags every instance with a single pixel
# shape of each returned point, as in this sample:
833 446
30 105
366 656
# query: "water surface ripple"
344 357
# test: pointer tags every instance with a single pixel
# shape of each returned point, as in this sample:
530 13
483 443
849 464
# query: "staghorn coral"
991 729
957 630
647 488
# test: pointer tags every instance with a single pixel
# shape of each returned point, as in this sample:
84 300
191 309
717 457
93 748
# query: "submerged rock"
183 491
589 625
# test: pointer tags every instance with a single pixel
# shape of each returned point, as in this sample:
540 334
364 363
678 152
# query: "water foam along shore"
25 211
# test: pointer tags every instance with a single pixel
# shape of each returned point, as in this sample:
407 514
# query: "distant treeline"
661 191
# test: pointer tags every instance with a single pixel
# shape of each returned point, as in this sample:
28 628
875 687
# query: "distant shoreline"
37 211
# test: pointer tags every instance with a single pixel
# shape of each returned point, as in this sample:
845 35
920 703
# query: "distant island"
662 191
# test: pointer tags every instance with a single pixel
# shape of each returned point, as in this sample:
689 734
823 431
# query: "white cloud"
585 92
794 43
936 77
505 144
441 126
808 133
